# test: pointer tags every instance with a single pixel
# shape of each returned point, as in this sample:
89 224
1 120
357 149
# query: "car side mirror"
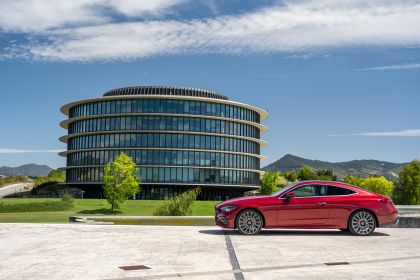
290 195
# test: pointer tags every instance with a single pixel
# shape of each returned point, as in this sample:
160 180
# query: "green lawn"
93 207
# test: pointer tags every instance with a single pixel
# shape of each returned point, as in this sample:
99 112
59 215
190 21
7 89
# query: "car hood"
239 199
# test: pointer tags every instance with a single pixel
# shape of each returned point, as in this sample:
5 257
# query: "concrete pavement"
79 251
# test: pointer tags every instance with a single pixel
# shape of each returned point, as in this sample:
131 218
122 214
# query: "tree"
270 182
407 186
306 173
291 176
120 180
40 180
326 175
353 180
378 185
56 176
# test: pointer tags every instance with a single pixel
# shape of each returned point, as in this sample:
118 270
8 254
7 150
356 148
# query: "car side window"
333 190
308 191
305 191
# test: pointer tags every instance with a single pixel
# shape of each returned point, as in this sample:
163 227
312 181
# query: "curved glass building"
178 137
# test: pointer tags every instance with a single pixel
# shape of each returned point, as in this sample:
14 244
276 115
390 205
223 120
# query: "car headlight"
228 208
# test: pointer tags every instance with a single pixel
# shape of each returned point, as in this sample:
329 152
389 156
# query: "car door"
342 203
309 207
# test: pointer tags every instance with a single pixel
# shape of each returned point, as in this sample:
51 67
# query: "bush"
60 205
178 206
291 176
378 185
67 198
306 173
352 180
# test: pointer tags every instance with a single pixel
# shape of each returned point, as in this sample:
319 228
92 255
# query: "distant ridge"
33 170
362 168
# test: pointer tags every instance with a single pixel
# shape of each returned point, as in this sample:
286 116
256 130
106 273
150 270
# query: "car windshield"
284 189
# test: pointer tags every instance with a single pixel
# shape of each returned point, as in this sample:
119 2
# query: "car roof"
332 183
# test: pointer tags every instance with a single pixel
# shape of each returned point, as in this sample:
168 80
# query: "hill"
33 170
362 168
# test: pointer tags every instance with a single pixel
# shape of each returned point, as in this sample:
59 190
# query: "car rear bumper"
388 220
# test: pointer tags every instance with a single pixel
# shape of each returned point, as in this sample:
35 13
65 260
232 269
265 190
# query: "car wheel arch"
363 209
250 208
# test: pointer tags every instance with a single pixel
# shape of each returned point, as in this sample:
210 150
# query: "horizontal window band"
66 137
262 157
65 124
171 166
66 108
209 185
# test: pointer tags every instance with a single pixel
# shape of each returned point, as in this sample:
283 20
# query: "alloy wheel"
249 222
362 223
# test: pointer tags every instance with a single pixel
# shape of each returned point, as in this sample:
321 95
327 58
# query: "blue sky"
340 79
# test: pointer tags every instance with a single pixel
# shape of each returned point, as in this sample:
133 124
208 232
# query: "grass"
91 207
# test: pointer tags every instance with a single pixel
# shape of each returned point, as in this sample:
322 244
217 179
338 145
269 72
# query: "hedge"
36 206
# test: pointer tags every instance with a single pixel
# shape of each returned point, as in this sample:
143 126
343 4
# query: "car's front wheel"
362 223
249 222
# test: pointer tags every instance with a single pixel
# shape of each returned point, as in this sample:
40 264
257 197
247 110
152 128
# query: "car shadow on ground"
282 232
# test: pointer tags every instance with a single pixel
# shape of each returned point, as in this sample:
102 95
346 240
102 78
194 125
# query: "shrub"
178 206
291 176
352 180
306 173
378 185
67 198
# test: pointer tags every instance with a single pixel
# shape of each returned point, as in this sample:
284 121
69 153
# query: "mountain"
362 168
33 170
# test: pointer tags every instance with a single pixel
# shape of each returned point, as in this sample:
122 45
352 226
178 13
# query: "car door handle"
321 203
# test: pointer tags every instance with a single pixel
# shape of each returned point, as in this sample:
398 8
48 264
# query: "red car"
309 205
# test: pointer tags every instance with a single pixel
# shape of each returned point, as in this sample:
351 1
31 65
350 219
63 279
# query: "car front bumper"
225 220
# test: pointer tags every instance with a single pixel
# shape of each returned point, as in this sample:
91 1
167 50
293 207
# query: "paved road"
78 251
15 188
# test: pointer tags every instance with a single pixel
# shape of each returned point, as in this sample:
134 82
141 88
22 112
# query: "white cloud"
20 151
401 133
41 15
411 66
407 133
292 27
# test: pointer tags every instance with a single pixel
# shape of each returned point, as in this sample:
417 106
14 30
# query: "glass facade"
164 123
164 140
166 157
214 144
177 175
168 106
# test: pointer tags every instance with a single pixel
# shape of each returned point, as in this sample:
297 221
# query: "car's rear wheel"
249 222
362 223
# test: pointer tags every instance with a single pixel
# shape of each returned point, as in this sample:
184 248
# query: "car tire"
249 222
362 223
